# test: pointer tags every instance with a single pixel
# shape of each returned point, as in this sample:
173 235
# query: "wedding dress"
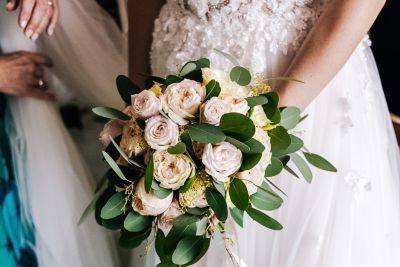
347 219
54 184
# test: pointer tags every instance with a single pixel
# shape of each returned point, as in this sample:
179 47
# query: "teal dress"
16 240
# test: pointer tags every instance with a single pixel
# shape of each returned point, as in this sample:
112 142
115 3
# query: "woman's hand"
36 16
21 74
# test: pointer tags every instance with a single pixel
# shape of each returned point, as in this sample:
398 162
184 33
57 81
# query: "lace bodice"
248 29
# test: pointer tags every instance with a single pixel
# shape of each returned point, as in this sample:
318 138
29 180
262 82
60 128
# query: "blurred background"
385 49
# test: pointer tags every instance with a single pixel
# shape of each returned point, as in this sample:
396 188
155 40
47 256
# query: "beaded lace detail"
249 29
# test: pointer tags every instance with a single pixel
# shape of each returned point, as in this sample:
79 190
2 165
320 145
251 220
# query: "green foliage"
114 166
213 89
271 108
295 145
250 161
179 148
237 216
148 180
132 240
240 75
265 199
319 162
110 113
135 222
126 88
239 194
217 203
253 101
238 126
290 117
114 206
206 133
280 139
263 219
302 166
274 168
159 191
187 249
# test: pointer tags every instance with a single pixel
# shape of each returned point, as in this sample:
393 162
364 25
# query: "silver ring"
41 83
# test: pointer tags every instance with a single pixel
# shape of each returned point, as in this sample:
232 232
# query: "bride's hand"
36 16
21 74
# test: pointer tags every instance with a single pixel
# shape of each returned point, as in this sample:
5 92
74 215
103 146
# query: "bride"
348 219
54 185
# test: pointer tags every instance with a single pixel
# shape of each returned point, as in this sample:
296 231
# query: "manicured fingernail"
9 5
35 36
23 24
50 31
29 33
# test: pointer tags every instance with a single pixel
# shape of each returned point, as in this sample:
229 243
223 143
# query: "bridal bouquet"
189 151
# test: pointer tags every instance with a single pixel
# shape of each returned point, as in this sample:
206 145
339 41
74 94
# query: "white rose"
182 100
258 117
196 195
145 104
212 110
236 104
221 160
148 204
132 142
264 139
166 220
113 128
228 87
170 170
252 178
161 133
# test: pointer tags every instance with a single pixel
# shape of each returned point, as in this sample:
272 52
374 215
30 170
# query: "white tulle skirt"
55 186
350 218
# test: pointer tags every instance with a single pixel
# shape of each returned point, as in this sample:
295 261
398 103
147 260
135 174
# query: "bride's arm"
327 47
141 21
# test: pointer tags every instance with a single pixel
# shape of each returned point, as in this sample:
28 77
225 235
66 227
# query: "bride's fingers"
40 12
54 18
43 24
26 12
11 5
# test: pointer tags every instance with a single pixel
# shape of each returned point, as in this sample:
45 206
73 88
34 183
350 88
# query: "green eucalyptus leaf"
250 161
253 101
122 153
237 216
114 166
172 79
179 148
295 145
219 186
135 222
116 223
149 175
274 168
205 244
132 240
184 225
159 191
275 186
271 108
282 78
206 133
319 162
292 172
213 89
110 113
263 219
238 126
202 63
126 88
290 117
280 139
159 245
217 203
201 226
265 200
114 206
302 166
231 58
188 68
256 147
111 150
239 194
284 159
101 201
187 249
240 145
240 75
197 211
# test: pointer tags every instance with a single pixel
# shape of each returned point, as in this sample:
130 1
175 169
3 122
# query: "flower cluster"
190 147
